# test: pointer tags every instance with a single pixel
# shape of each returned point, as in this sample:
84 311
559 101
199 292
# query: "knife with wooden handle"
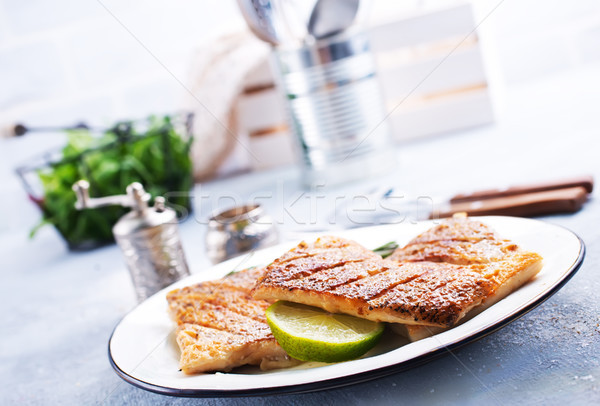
567 200
586 182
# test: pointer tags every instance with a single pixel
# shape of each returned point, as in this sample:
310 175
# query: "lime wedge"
311 334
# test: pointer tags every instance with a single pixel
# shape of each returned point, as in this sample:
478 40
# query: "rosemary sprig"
386 249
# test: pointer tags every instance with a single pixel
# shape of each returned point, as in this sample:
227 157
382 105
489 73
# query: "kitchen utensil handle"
567 200
586 182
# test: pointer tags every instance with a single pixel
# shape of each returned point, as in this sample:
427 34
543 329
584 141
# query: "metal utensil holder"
335 108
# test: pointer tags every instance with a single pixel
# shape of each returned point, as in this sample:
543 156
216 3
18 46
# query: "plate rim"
363 376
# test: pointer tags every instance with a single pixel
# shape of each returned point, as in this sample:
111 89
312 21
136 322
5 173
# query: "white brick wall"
531 38
30 72
588 43
65 61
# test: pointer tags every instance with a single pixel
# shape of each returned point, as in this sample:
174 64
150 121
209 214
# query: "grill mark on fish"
207 311
304 250
332 277
499 261
359 296
454 252
433 281
378 284
220 326
440 296
281 271
456 229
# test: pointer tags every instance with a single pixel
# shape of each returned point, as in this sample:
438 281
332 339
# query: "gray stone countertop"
59 307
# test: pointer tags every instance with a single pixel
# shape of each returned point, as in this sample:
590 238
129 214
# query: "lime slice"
311 334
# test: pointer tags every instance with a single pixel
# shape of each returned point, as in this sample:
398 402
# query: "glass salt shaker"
239 230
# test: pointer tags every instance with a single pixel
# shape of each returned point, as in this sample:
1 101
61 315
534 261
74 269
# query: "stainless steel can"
336 108
239 230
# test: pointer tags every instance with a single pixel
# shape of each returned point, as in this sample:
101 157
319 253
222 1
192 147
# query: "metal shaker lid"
151 217
141 217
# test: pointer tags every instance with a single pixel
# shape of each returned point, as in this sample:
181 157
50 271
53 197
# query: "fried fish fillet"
436 280
220 326
459 240
470 242
341 276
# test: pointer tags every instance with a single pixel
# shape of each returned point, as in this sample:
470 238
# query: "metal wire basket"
152 151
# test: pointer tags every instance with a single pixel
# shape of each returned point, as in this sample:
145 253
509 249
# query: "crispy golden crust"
342 276
453 252
442 295
209 349
220 326
212 301
459 241
471 243
459 228
435 280
506 276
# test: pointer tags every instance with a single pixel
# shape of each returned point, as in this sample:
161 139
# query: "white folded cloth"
218 73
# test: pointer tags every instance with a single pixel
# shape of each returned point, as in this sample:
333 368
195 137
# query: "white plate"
143 351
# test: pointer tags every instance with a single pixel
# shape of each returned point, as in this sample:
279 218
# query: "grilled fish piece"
459 241
470 242
220 326
341 276
431 284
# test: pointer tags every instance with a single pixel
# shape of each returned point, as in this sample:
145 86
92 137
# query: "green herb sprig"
386 249
156 156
